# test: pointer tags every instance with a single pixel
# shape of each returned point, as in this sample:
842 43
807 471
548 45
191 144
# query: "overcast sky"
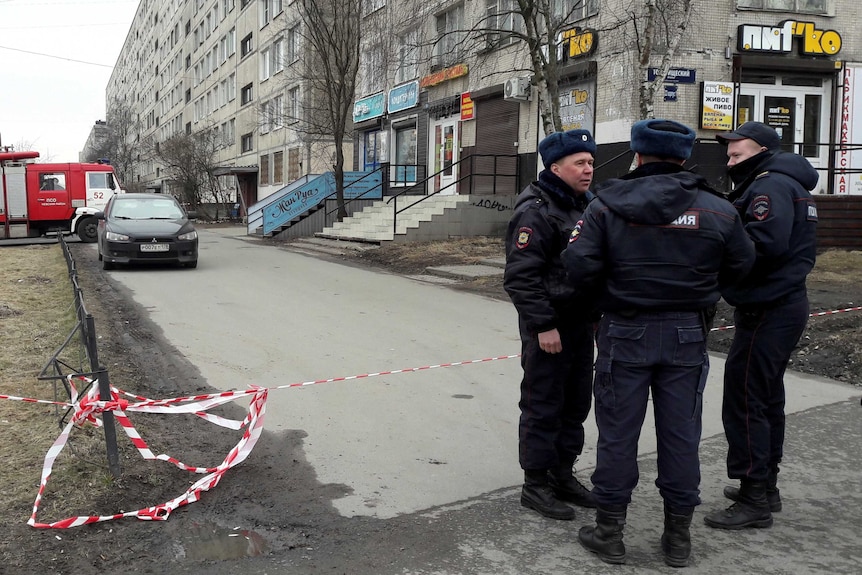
56 57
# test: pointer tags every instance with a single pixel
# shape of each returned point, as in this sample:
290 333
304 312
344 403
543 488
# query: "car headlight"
192 235
115 237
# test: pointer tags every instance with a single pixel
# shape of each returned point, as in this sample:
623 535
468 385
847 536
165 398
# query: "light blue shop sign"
369 107
403 97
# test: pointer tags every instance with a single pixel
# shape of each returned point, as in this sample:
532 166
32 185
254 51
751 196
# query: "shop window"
405 155
374 150
811 126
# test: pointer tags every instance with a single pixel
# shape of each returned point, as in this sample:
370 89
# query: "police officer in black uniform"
771 194
556 329
655 247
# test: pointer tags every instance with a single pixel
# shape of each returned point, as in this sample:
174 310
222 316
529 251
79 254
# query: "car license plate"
155 247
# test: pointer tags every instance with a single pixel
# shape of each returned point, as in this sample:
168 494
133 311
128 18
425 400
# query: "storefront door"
800 115
446 142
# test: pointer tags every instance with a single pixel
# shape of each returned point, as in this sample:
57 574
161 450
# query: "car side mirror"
192 215
99 215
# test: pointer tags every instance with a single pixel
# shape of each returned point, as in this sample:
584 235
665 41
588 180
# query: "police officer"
654 247
779 214
556 329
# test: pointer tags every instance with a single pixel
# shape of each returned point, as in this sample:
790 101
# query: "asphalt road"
262 315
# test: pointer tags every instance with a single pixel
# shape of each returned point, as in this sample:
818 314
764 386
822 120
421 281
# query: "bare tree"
120 144
330 32
189 161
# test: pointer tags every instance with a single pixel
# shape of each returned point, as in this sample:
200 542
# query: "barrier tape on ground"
816 314
89 406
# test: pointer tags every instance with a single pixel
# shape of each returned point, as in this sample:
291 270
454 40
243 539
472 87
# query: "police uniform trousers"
753 406
663 353
556 394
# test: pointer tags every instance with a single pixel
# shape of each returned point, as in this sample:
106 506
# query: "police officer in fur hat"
654 248
555 327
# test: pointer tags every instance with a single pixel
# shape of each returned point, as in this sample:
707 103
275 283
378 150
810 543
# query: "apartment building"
231 69
449 80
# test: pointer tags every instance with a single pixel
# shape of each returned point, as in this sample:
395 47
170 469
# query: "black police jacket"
658 239
546 212
779 214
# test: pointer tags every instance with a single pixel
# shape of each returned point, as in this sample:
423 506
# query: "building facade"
230 69
451 79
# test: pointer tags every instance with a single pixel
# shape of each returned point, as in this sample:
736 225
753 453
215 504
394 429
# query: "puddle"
209 542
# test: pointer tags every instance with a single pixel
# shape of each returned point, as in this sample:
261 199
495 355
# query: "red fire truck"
39 199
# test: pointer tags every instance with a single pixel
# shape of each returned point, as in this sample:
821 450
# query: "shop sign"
779 40
444 75
403 97
468 109
848 178
576 106
717 106
369 107
675 75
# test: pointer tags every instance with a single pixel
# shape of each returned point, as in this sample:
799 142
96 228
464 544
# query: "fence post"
104 395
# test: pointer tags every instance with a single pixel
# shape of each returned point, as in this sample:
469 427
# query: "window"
293 104
450 36
231 88
244 3
573 10
369 6
408 56
278 167
245 47
502 18
227 132
227 6
294 164
264 170
371 64
405 154
806 6
246 95
231 42
265 14
246 143
277 55
265 63
293 44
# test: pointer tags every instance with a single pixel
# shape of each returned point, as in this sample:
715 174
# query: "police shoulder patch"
524 236
760 207
576 231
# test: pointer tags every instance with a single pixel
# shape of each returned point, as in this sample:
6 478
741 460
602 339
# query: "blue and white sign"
403 97
281 211
676 75
669 93
369 107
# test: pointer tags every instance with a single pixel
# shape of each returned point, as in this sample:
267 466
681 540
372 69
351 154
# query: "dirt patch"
270 511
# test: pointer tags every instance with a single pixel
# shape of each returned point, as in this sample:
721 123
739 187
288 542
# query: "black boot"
676 539
538 495
773 497
605 539
750 510
567 487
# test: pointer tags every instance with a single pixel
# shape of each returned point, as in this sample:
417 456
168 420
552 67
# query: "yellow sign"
443 75
717 110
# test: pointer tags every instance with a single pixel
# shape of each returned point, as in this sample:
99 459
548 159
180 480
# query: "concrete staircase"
374 223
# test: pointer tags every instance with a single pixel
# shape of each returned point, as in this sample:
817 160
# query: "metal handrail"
471 157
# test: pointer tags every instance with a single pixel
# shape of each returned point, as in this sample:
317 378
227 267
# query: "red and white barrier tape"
87 409
816 314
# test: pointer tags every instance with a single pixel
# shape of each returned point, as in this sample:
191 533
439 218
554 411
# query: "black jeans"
753 406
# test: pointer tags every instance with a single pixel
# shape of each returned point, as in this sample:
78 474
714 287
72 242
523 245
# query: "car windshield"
146 209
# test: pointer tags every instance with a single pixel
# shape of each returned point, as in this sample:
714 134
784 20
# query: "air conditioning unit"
517 89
